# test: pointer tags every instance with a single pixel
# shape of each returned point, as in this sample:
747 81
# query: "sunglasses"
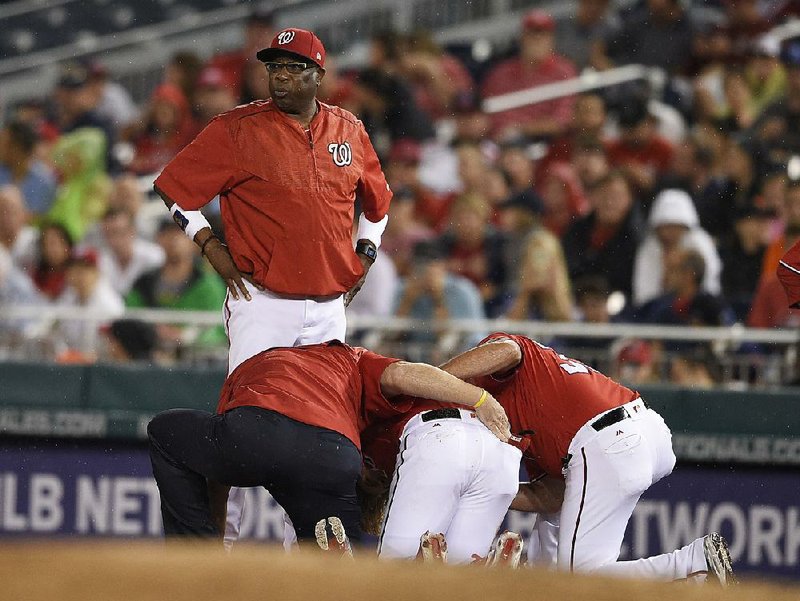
293 68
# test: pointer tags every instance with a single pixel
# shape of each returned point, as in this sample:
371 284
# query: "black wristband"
367 248
205 242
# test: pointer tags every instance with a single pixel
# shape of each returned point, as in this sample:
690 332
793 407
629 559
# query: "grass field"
60 571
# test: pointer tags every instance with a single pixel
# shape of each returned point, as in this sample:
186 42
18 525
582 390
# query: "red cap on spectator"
537 20
301 42
84 256
405 151
789 275
214 77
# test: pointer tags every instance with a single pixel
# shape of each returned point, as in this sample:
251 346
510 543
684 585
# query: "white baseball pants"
267 321
452 476
607 473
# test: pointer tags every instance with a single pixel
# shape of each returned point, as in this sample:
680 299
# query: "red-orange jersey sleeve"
208 166
372 186
373 402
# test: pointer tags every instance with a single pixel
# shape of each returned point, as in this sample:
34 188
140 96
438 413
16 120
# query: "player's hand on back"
494 417
222 262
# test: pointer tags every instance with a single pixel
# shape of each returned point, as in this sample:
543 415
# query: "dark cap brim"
268 54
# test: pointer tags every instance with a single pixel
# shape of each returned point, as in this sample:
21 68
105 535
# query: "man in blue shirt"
19 166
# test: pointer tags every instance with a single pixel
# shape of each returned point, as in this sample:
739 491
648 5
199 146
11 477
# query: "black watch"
367 248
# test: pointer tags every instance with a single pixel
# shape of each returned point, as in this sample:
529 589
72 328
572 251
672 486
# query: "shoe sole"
339 542
718 557
340 535
433 547
321 535
507 550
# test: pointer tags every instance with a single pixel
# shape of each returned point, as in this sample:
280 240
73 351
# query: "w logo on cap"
285 37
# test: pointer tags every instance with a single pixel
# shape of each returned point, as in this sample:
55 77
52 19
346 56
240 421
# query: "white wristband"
371 231
190 222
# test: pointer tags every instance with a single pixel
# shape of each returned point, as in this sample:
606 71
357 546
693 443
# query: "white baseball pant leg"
543 542
267 321
607 474
452 476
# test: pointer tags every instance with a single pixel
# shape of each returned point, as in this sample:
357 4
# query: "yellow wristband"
482 400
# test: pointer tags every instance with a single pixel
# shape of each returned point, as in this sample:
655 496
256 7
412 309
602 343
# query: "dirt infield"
149 572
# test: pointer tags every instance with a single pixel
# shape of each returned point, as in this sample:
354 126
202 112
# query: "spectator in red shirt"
640 152
244 73
536 64
213 94
789 275
437 78
563 197
591 162
182 70
518 167
166 128
587 124
404 231
402 173
770 308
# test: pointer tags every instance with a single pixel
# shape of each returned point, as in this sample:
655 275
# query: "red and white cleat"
331 537
506 550
432 548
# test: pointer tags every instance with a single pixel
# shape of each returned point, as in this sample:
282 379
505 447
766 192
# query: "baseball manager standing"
287 171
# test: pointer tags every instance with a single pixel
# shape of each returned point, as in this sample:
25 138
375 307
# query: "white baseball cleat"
432 548
506 550
331 537
718 558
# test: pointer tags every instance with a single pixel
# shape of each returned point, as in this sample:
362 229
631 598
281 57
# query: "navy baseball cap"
300 42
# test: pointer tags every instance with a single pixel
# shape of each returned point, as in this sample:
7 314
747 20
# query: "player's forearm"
484 360
541 496
427 381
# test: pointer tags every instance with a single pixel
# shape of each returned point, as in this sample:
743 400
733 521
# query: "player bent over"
288 419
452 483
603 439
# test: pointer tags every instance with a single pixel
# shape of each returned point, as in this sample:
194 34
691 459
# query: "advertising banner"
77 489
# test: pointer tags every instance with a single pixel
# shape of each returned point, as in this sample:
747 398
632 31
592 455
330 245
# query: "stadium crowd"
676 205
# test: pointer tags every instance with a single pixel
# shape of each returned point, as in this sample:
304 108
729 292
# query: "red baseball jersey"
552 396
789 275
286 194
330 385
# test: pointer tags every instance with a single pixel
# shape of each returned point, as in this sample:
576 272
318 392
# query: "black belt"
441 414
613 416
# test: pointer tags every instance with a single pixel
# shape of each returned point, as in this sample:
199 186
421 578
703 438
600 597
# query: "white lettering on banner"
683 527
734 515
12 521
739 448
91 505
792 536
644 511
126 507
766 528
758 535
61 423
46 498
